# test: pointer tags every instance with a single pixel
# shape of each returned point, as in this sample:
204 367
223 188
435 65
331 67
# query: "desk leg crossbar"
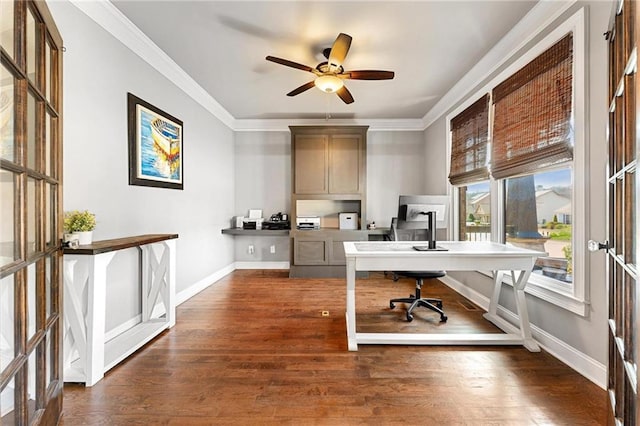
512 336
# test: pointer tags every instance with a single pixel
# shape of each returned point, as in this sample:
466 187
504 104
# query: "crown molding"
105 14
537 20
279 125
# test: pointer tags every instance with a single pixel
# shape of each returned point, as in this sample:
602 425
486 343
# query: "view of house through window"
475 212
522 189
538 216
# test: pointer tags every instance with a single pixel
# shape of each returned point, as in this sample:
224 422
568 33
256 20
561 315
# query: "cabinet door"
336 253
344 164
310 251
336 246
310 164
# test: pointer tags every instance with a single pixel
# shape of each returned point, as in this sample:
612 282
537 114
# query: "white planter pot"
84 238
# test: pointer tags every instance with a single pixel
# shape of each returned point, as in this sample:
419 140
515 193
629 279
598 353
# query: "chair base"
429 303
417 300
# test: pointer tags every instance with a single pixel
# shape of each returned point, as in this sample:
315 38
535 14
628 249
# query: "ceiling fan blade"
368 75
288 63
301 89
345 95
339 49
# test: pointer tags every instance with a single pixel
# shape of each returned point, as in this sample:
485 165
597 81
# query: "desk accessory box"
348 220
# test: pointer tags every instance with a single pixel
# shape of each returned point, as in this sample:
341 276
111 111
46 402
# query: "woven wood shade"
532 114
469 134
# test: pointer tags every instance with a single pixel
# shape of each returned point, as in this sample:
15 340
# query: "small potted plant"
80 223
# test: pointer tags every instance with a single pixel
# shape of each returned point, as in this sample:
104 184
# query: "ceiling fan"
330 74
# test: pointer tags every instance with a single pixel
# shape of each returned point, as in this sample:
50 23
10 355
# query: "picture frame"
155 146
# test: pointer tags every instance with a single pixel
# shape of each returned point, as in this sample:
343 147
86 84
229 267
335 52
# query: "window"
469 165
532 118
538 216
469 134
475 212
534 193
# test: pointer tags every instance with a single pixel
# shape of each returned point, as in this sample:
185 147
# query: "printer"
254 221
308 222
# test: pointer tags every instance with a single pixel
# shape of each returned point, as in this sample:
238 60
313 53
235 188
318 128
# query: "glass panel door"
30 256
622 216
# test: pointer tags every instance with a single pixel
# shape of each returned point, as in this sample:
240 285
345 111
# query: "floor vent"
468 305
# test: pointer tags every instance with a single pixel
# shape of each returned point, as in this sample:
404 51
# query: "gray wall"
395 165
437 182
588 335
262 178
98 72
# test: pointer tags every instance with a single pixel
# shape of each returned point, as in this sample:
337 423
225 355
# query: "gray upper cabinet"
311 164
328 160
345 164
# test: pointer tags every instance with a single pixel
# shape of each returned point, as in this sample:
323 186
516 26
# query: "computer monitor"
412 209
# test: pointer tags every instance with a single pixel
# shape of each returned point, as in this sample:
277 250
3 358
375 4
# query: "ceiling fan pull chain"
328 113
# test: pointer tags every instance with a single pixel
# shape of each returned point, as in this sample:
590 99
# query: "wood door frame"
623 184
33 148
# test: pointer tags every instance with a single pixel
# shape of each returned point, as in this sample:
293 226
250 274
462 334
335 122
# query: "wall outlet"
251 249
272 249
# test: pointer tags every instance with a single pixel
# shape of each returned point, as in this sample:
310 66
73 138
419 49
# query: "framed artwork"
155 146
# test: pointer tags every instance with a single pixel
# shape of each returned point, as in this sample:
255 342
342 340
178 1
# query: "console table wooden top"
105 246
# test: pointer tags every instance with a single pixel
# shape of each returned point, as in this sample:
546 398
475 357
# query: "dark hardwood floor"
255 349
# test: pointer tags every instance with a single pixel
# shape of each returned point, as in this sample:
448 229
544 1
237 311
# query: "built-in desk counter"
257 232
87 354
320 252
287 232
316 253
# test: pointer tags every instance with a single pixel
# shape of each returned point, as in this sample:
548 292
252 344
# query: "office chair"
416 300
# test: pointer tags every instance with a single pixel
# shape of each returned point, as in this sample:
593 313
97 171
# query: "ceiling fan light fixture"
329 83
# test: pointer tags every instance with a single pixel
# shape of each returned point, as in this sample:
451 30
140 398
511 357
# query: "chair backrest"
397 233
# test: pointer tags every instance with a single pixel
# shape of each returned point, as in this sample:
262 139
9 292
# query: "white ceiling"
222 45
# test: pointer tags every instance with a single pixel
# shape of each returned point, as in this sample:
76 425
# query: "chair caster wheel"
392 305
409 317
443 318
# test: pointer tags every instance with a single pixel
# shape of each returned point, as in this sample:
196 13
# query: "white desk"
461 256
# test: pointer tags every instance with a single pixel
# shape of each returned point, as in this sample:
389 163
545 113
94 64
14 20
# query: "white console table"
460 256
87 356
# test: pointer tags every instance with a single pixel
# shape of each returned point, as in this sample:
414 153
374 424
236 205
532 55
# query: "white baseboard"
122 328
262 265
476 297
197 287
159 309
583 364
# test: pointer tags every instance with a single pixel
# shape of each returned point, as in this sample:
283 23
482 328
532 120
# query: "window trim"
575 298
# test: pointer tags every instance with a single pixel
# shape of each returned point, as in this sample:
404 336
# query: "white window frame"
575 296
